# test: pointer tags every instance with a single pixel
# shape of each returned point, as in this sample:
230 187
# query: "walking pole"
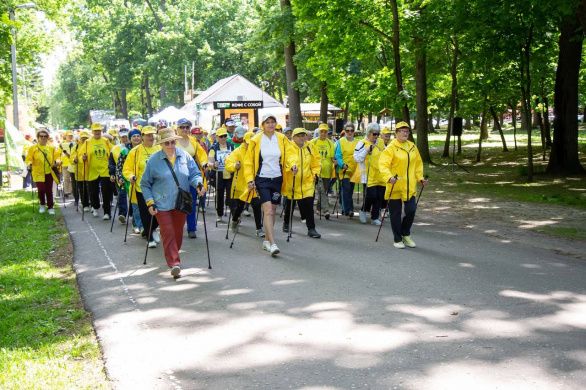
238 226
128 210
339 196
32 195
291 208
420 192
115 209
216 197
63 191
386 210
147 246
205 229
84 193
232 202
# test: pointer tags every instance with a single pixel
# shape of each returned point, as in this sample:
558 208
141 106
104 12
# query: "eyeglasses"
375 134
403 131
43 136
167 143
222 136
349 130
184 127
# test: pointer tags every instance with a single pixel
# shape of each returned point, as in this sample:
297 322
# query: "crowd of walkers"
163 177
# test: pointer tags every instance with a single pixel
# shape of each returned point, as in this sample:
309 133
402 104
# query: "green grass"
564 232
46 337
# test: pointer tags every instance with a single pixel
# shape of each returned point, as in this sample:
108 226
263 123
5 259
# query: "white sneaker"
409 242
51 211
42 209
246 213
399 245
376 222
136 230
260 233
219 220
156 236
266 245
176 271
274 250
106 217
86 209
362 216
95 213
152 244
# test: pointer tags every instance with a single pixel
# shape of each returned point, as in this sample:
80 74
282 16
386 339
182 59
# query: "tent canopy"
171 114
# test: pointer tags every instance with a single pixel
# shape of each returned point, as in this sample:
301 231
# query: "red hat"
196 130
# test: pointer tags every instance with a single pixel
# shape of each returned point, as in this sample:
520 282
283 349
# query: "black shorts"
269 190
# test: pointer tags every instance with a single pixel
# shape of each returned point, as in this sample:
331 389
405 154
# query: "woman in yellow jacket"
269 155
239 192
191 145
81 169
346 166
40 160
308 168
326 149
133 169
367 155
401 167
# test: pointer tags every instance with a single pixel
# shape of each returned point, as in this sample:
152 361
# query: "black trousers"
83 187
223 195
238 206
145 216
305 209
74 188
374 200
402 226
105 185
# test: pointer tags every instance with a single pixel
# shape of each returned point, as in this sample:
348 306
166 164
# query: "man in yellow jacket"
367 156
234 164
300 188
346 167
41 159
97 151
402 168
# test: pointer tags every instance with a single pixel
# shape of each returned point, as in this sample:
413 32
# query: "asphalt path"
462 310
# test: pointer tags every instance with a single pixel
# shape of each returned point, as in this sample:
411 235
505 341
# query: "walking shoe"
274 250
313 233
152 244
235 226
86 209
362 216
246 213
191 234
260 233
136 230
327 215
42 209
285 227
376 222
409 242
303 220
350 214
95 213
220 220
399 245
106 217
122 219
51 211
176 271
266 245
156 236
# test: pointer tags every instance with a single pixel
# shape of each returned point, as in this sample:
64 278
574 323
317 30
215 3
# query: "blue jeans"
122 202
192 217
402 226
347 200
136 222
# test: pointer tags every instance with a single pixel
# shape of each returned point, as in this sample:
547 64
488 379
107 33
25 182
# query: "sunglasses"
349 130
43 136
184 127
167 143
375 134
222 136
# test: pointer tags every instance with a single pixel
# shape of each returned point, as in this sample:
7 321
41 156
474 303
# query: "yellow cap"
96 126
324 126
386 130
221 131
84 134
113 132
278 127
401 125
149 130
299 130
67 132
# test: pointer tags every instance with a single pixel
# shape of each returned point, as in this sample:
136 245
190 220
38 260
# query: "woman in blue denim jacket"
160 193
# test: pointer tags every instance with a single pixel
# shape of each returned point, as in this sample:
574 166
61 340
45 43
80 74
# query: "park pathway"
461 311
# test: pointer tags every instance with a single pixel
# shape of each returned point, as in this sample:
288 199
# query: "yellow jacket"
200 158
347 151
401 159
368 163
326 149
135 165
66 150
77 153
308 167
239 183
40 167
98 152
252 158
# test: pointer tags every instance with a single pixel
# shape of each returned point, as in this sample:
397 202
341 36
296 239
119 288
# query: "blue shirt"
157 182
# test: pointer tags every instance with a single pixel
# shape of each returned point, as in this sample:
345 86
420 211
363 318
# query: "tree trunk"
397 57
117 104
454 96
294 100
564 158
483 124
499 128
323 109
525 62
421 99
123 104
346 111
514 119
437 121
149 97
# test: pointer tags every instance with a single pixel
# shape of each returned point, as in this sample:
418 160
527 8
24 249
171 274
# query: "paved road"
462 310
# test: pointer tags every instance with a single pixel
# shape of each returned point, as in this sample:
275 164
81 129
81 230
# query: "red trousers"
171 225
45 190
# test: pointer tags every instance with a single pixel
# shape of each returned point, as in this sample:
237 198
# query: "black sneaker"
192 234
313 233
285 228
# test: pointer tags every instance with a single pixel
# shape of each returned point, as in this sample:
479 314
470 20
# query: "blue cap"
183 122
134 132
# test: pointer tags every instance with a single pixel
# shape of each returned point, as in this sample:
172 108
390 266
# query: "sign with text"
235 105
